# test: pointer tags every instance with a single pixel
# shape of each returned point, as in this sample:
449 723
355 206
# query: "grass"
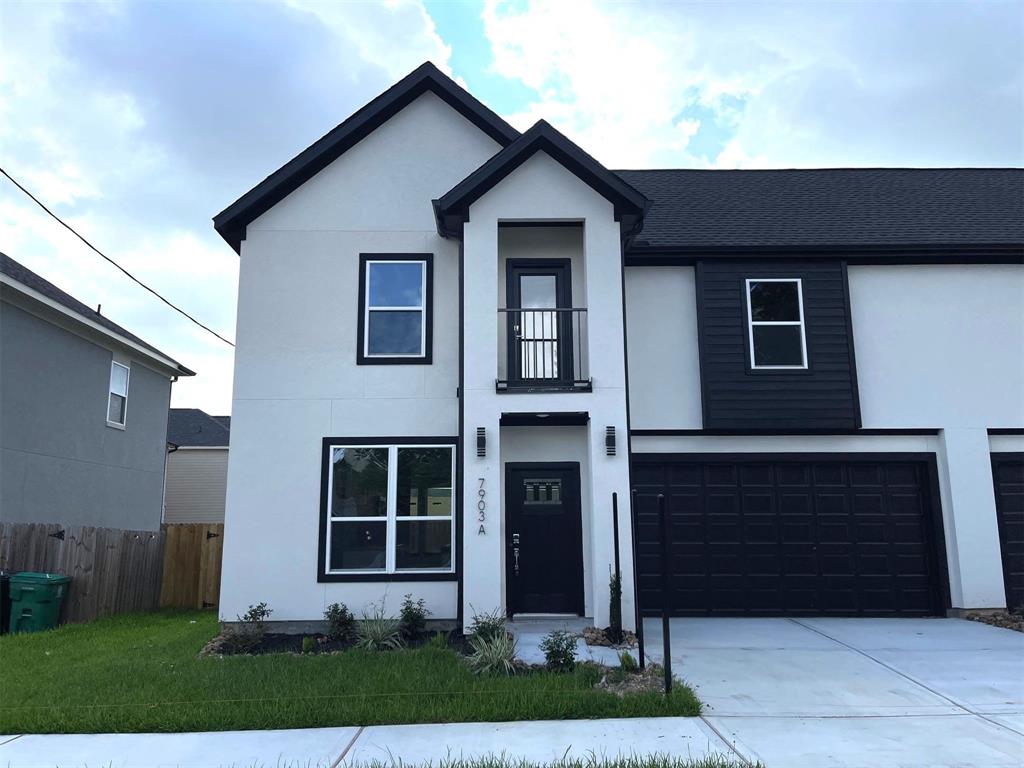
139 673
593 761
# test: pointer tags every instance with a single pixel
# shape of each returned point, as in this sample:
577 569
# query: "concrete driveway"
871 693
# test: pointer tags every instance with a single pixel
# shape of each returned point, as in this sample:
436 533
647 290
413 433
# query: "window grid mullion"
392 507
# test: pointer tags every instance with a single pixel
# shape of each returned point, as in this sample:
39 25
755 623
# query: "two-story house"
83 411
456 342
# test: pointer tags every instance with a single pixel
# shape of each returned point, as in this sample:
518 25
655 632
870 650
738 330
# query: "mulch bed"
277 642
1004 619
650 679
597 636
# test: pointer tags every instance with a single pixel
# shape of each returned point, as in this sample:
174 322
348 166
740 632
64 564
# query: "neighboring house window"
389 509
775 315
395 308
117 400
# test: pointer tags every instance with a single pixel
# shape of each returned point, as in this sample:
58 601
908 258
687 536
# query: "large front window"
390 509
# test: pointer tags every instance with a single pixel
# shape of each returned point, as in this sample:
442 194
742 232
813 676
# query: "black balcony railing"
545 350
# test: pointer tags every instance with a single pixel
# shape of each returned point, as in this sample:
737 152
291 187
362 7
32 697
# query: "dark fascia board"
641 255
780 432
232 221
452 208
549 419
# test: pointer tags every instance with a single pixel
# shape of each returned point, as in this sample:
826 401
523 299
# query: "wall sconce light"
481 442
609 440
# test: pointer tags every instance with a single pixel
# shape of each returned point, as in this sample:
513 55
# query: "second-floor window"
395 308
775 319
117 397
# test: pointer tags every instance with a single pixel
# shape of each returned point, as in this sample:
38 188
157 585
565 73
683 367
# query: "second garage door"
791 535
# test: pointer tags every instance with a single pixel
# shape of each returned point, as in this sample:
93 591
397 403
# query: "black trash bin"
5 600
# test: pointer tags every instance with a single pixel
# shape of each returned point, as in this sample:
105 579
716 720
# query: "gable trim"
233 220
452 208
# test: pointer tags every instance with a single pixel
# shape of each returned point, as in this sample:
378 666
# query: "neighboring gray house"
197 466
83 411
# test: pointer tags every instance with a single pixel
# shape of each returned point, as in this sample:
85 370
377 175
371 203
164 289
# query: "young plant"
627 662
439 640
559 650
413 617
377 632
493 655
341 624
488 625
309 644
248 633
615 608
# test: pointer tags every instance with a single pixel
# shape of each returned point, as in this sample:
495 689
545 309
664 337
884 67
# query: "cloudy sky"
137 121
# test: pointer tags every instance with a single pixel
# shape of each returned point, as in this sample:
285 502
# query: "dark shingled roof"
192 427
838 207
30 279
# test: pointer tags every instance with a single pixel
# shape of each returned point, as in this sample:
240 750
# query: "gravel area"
1004 619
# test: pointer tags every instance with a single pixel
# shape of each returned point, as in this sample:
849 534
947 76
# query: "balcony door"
539 296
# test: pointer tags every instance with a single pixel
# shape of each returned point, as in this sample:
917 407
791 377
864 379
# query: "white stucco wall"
542 190
664 366
296 378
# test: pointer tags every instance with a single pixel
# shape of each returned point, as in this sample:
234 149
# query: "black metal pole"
666 582
617 632
637 609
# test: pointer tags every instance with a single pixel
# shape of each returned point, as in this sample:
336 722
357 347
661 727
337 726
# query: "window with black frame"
390 509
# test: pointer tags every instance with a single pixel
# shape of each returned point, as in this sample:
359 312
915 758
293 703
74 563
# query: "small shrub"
559 650
309 644
493 655
627 662
247 635
439 641
615 608
413 617
377 632
487 626
341 624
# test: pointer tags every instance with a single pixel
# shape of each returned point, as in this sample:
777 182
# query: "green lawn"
141 673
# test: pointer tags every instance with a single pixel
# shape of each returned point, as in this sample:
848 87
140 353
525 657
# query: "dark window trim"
322 576
427 357
1006 431
942 599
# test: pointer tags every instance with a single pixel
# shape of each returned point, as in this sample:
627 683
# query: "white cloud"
781 85
137 122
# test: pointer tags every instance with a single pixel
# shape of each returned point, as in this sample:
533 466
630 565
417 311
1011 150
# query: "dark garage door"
793 535
1008 473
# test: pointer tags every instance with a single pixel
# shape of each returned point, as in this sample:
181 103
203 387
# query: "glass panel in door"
537 334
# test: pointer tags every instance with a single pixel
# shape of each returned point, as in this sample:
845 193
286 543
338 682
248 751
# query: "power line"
71 229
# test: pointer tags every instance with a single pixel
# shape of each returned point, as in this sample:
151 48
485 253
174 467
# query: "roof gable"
452 208
232 221
22 275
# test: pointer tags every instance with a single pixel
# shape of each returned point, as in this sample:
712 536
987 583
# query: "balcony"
543 350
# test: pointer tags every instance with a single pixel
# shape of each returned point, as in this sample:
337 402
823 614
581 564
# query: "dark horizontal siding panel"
736 397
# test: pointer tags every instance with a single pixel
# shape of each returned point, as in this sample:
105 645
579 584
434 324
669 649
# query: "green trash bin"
36 599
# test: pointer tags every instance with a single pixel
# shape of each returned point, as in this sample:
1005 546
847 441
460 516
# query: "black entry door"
539 296
1008 473
544 538
797 535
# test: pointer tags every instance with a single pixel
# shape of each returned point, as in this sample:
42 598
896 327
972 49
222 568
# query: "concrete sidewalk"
343 747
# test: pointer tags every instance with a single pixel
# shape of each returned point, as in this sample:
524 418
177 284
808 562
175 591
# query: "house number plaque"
481 508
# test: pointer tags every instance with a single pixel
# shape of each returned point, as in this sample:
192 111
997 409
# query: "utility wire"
70 229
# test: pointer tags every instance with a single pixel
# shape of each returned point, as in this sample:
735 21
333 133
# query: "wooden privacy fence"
111 570
192 555
116 571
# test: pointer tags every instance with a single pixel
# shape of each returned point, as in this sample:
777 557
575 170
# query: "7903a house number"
481 508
